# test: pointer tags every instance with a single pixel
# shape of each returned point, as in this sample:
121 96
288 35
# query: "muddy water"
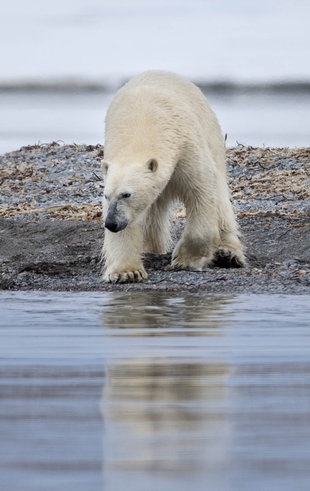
144 392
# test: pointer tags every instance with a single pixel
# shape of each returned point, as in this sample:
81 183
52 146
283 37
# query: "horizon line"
220 86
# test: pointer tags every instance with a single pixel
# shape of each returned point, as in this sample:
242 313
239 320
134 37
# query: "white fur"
159 115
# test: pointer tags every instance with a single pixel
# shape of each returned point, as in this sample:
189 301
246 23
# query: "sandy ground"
51 230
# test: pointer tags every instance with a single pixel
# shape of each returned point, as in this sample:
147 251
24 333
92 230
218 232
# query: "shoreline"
51 231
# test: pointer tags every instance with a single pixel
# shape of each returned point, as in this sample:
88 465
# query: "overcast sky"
206 39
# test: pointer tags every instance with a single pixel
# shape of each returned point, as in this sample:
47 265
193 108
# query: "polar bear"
163 144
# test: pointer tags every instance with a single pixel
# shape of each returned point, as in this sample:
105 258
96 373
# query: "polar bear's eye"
152 165
125 195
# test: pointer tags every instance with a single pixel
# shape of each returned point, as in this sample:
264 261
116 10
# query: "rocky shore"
51 230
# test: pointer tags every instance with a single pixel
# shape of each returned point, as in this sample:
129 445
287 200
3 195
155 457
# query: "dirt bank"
51 231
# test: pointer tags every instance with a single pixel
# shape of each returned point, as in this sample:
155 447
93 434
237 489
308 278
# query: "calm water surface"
251 119
149 391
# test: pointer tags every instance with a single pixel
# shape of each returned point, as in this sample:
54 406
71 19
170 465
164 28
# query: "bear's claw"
188 264
224 258
127 276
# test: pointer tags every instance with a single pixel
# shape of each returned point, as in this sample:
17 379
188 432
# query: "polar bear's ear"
104 166
152 165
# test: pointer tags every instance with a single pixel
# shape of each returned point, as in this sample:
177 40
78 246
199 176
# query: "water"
278 120
151 391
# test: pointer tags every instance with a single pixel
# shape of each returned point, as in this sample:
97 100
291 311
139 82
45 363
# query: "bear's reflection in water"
163 402
179 315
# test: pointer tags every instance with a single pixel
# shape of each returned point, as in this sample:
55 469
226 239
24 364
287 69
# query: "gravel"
51 230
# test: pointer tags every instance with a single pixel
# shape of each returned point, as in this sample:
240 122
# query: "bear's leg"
230 251
122 255
200 238
157 227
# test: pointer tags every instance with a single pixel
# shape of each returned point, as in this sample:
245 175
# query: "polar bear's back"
159 105
168 85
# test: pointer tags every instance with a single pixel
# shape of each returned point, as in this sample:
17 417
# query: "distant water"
257 119
152 391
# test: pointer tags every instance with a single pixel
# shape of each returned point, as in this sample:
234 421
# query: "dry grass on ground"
256 175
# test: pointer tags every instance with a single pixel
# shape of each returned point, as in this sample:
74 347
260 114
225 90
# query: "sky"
108 41
111 39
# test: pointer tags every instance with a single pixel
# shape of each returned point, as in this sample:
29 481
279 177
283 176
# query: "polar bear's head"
129 190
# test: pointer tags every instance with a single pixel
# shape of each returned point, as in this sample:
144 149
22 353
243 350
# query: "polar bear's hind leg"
230 253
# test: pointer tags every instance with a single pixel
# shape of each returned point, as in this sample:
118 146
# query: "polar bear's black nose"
111 225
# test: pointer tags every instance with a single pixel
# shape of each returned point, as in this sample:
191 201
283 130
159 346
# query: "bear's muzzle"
115 220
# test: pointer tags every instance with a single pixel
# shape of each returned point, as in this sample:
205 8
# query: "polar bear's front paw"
190 263
126 276
183 258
